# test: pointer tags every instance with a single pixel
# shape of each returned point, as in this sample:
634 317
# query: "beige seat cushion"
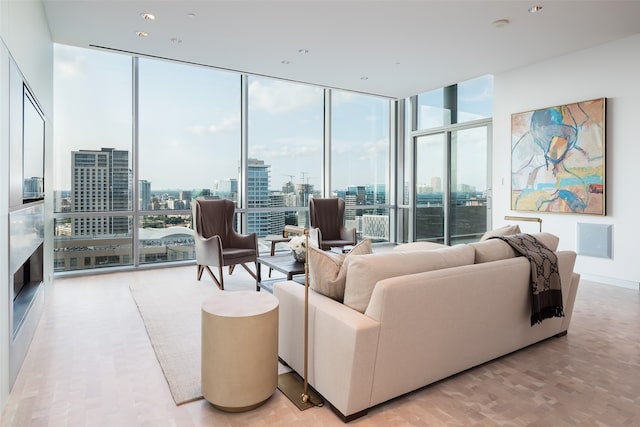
501 231
496 249
328 270
366 270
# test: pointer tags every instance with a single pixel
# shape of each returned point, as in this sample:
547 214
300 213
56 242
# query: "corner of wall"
4 224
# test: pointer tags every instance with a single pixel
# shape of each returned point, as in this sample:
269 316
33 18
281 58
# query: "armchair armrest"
348 234
208 250
243 241
316 234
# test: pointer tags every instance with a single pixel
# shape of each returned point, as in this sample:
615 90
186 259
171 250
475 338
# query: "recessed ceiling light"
500 23
191 15
536 8
285 62
142 33
175 40
364 78
303 51
148 16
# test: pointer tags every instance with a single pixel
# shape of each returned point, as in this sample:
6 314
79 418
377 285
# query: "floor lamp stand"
290 384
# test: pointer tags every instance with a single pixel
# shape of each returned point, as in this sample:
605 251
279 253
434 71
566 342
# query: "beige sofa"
418 327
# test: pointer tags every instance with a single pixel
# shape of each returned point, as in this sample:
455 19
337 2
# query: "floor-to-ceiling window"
138 138
285 161
188 147
360 150
92 159
451 142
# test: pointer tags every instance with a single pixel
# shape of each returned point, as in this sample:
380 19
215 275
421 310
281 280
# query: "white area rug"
171 311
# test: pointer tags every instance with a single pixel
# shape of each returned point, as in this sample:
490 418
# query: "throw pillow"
502 231
495 249
328 270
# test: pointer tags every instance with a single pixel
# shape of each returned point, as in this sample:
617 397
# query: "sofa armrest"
342 346
569 300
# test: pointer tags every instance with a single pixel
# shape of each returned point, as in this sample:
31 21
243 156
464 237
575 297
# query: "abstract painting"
558 159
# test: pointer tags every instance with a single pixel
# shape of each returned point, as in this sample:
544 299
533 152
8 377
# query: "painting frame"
558 162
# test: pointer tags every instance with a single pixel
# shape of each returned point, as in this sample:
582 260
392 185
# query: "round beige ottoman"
239 349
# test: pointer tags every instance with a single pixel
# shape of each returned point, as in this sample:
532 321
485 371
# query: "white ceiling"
388 48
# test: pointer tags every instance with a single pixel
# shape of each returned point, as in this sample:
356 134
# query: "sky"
189 133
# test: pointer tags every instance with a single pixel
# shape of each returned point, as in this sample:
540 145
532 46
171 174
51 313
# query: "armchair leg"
231 267
219 283
251 272
200 270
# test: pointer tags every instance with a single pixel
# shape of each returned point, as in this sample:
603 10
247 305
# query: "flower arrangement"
298 246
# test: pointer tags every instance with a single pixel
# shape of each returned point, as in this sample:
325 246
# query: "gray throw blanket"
546 290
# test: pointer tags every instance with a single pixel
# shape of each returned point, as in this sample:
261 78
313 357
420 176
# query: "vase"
299 256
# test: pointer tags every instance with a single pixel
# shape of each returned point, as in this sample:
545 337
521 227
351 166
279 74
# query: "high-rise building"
227 189
145 195
258 180
276 218
185 198
101 181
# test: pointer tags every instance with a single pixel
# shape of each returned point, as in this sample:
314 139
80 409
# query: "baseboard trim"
628 284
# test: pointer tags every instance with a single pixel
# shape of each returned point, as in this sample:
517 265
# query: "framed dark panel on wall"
558 159
33 135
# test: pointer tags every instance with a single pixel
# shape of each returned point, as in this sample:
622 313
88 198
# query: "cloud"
279 97
362 150
374 149
68 61
229 123
287 148
485 96
342 97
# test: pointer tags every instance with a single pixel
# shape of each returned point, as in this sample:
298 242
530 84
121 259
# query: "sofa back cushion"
365 271
419 246
496 249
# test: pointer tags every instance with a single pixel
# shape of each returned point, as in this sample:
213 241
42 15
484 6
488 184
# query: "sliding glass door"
451 185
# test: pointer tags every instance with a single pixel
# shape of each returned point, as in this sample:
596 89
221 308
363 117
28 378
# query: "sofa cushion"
366 270
328 270
419 246
501 231
496 249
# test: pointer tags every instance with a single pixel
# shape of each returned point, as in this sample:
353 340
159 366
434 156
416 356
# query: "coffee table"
285 264
275 239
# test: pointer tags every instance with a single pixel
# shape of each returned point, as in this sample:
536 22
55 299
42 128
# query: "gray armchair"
217 243
326 217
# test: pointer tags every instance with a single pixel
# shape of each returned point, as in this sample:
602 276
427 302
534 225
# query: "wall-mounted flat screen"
32 150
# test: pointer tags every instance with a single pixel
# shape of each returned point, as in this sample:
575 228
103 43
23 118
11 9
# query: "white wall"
611 71
25 36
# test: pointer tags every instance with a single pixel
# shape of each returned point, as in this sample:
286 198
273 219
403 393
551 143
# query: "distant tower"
436 184
276 218
101 182
258 180
145 195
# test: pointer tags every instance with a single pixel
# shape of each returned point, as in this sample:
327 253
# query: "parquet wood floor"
91 364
